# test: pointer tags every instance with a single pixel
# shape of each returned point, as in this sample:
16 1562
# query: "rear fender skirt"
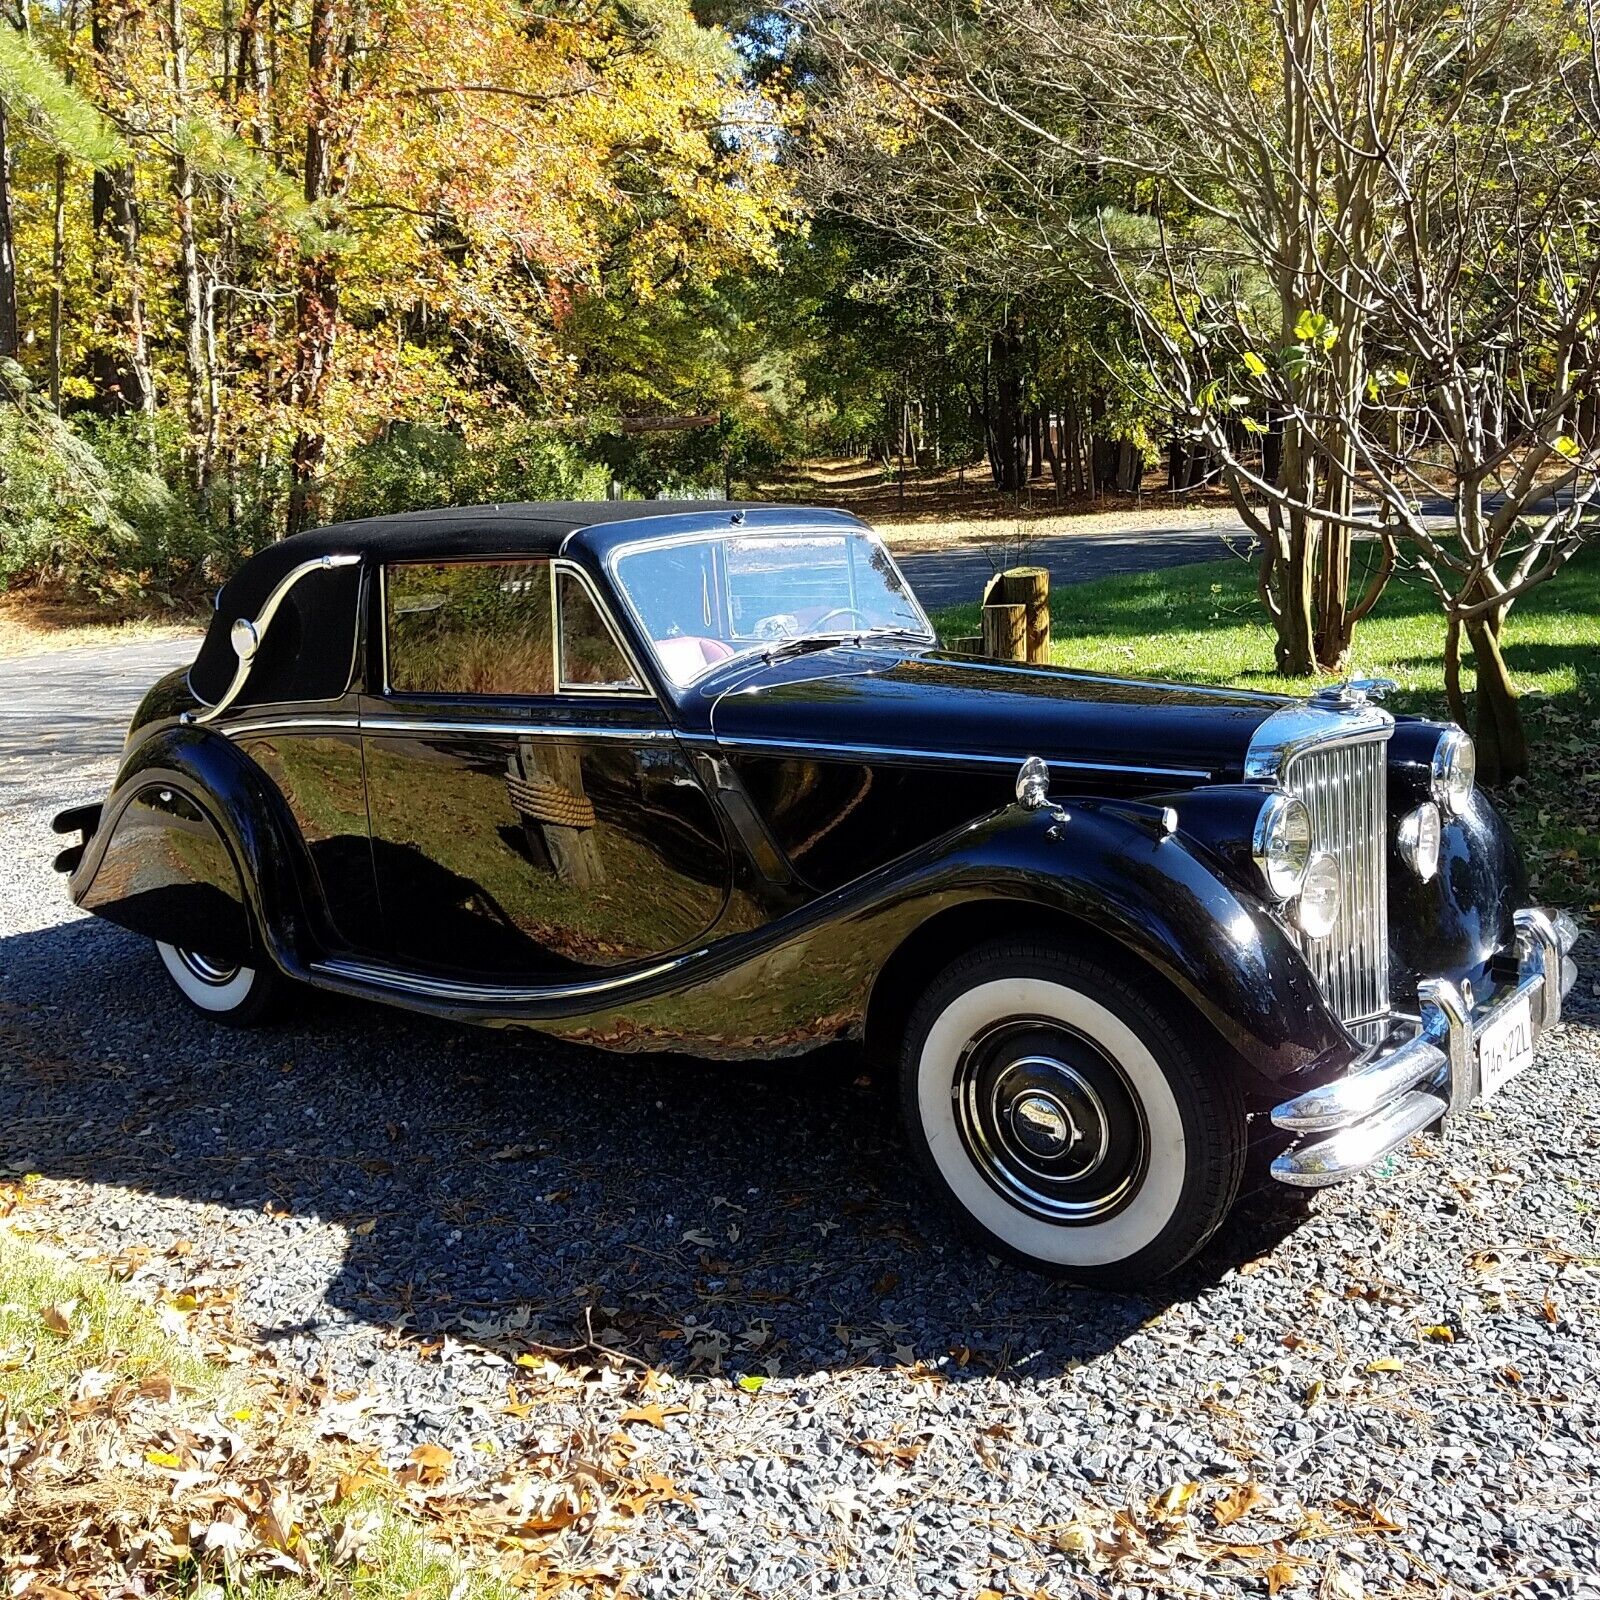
807 978
189 849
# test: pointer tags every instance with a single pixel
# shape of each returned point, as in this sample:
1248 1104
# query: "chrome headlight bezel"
1454 773
1320 903
1420 838
1281 844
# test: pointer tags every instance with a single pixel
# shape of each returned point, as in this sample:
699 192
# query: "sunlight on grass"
58 1320
1203 624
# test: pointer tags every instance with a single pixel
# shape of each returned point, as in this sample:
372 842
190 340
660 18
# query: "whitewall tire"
1064 1117
226 992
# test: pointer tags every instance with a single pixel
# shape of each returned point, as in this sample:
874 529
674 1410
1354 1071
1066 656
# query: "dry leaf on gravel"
654 1415
1236 1502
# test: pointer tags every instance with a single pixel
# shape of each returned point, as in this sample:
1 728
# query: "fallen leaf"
1282 1574
1343 1583
891 1450
1236 1502
1440 1333
1174 1501
433 1461
58 1319
364 1229
655 1415
752 1382
1386 1364
164 1458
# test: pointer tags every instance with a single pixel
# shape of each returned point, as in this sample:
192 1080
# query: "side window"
590 658
468 627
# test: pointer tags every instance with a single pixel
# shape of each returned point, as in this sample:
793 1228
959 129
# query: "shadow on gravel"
505 1186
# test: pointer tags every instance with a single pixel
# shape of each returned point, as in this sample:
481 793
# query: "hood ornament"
1353 692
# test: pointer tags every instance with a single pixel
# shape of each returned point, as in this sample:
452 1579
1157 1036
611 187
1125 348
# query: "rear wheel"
1063 1116
225 991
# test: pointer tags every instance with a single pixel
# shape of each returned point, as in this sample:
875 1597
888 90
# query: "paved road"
949 577
60 710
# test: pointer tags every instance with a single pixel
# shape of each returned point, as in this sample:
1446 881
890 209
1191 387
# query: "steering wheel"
843 611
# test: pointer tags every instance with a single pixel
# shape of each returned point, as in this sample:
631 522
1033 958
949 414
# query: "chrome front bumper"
1430 1077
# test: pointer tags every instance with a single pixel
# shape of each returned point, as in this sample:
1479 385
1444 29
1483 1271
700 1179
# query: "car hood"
929 702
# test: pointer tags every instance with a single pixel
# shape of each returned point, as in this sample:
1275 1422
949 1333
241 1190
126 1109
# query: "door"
533 817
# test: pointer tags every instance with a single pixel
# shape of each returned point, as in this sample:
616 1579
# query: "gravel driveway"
1409 1376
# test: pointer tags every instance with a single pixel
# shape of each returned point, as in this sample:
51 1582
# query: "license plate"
1505 1047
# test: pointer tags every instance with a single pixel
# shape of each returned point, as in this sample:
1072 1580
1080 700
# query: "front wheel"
1059 1111
224 991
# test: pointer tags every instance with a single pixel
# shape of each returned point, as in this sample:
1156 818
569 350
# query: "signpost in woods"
1024 590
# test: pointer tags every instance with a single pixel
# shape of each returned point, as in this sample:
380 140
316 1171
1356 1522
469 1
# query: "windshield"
704 601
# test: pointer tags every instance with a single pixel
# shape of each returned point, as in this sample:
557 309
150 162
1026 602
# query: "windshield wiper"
797 644
801 643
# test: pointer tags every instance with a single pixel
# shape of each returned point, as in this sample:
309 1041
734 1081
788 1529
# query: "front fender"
810 976
1116 869
192 847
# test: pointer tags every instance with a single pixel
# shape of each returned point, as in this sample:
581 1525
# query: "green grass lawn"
1203 624
69 1335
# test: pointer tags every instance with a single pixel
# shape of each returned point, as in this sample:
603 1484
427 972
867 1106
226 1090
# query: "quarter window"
469 627
590 655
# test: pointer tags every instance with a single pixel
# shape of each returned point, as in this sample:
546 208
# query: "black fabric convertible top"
310 648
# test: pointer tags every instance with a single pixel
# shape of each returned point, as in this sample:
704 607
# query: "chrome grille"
1344 788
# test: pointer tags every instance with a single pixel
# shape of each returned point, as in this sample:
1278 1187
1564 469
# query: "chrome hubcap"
1049 1120
207 970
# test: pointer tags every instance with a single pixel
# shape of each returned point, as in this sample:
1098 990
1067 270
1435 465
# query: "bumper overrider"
1408 1085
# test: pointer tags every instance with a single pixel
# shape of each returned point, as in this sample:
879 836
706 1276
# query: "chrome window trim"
910 753
667 541
1296 729
639 689
421 725
255 631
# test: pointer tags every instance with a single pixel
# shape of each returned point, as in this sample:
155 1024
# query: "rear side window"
469 627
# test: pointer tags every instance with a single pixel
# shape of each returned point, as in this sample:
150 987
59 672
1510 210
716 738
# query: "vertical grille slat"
1343 787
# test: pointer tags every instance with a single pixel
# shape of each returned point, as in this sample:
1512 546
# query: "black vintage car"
702 779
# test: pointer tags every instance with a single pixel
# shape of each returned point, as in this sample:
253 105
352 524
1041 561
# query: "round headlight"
1455 771
1420 831
1321 894
1282 844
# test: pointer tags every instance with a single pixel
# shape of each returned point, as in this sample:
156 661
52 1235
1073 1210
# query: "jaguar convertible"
659 777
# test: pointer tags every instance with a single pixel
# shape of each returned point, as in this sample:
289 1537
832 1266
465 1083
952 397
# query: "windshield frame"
765 647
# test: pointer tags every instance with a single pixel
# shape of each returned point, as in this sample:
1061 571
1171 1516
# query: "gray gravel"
932 1423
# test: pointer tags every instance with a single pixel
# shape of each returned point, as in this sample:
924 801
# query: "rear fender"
191 848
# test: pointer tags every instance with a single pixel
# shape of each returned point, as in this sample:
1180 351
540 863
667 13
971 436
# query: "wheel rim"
206 970
1049 1120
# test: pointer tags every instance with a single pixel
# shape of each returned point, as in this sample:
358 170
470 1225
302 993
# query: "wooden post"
1030 587
1005 632
967 644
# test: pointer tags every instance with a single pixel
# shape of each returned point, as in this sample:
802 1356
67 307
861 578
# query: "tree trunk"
192 296
1501 739
317 302
10 336
123 377
58 280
